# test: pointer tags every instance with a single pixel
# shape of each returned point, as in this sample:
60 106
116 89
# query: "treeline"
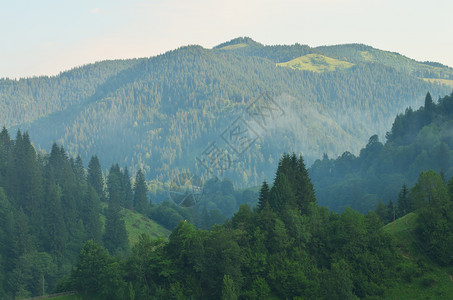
418 141
50 205
287 247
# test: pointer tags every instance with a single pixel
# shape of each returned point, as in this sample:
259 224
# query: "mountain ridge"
166 109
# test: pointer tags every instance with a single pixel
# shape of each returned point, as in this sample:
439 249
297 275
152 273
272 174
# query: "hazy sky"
45 37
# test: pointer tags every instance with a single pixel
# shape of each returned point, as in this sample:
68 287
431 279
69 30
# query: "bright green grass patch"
316 63
448 82
367 56
234 46
428 280
402 224
136 224
403 231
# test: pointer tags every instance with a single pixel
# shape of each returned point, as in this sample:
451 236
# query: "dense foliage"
160 113
286 248
50 205
418 141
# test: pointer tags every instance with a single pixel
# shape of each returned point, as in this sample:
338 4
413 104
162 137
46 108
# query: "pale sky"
44 37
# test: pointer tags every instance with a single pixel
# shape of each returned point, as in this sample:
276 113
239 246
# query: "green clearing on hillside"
316 63
448 82
234 46
427 279
137 224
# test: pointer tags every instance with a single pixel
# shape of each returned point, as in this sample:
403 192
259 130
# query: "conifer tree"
95 178
429 104
21 240
281 194
115 236
55 230
263 196
140 191
305 192
404 204
90 215
115 186
5 149
79 170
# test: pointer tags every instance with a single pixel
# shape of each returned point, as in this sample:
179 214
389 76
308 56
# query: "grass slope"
233 47
316 63
136 224
357 53
428 280
448 82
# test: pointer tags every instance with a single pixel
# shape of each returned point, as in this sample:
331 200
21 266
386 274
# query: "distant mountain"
162 113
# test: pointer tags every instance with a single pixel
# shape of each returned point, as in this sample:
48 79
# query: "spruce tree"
140 191
115 186
21 240
404 204
90 215
5 149
429 104
305 192
79 170
263 196
55 232
281 194
115 235
29 182
95 178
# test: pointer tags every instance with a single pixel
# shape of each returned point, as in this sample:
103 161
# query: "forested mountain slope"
161 113
418 141
288 247
50 205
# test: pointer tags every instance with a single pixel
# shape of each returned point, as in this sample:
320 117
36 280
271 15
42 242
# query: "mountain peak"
246 41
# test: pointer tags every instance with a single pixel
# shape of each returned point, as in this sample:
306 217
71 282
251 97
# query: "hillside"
357 53
161 113
137 224
316 63
419 140
434 281
288 247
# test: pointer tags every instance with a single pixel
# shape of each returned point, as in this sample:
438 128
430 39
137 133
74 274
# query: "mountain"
162 113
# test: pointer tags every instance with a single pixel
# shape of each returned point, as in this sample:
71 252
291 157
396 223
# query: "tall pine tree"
95 178
140 191
263 196
115 236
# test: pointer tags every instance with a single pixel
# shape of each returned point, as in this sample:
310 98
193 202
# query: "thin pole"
43 284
